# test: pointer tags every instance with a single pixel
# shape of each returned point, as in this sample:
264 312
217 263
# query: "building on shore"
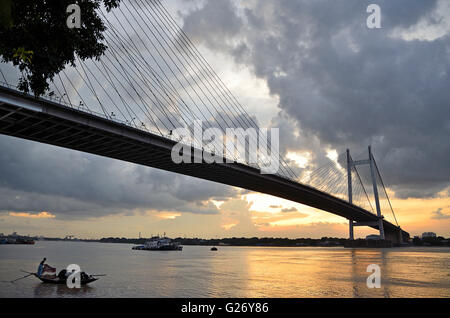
429 234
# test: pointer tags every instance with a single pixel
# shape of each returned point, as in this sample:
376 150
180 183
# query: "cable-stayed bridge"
153 80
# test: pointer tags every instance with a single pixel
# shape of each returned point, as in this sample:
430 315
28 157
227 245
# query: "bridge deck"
48 122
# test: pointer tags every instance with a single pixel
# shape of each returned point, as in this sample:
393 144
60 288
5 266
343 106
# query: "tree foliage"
34 36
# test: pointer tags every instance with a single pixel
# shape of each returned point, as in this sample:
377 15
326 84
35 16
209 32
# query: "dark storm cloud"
226 23
36 177
347 85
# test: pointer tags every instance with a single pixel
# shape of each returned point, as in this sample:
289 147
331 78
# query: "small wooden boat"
214 249
84 280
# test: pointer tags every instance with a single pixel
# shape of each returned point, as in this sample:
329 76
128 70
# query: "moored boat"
159 244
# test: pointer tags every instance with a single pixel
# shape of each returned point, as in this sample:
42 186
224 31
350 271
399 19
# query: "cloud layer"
345 84
339 84
37 177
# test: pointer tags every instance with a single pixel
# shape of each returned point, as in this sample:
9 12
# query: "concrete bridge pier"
397 236
351 232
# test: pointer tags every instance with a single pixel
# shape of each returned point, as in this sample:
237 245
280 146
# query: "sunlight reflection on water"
230 272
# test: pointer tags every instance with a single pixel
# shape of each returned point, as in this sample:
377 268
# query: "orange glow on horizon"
168 215
41 215
229 226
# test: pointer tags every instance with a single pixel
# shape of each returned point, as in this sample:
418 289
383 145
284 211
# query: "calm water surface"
230 272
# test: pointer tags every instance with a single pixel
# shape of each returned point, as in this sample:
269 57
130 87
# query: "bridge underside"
25 117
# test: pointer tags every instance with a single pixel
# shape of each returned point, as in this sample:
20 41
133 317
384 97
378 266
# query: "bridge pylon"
350 194
351 164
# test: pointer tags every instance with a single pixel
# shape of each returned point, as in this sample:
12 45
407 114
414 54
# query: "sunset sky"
312 69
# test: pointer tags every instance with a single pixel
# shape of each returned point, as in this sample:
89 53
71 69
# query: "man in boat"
41 267
46 271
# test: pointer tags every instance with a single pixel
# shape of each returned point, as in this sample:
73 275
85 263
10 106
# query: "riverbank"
262 242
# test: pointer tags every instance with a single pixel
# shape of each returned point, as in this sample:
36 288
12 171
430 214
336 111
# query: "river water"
230 272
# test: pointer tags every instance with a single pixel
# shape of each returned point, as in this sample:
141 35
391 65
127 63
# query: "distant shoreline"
253 242
270 242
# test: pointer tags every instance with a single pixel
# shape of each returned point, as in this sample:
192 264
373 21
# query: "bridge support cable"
135 86
61 95
366 196
107 77
155 100
384 189
91 87
82 103
182 62
166 31
185 46
65 90
188 66
123 56
334 177
134 57
144 109
140 62
181 36
118 56
171 102
162 91
4 78
175 66
107 94
375 192
163 85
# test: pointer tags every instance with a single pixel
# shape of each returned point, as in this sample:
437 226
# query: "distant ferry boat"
159 244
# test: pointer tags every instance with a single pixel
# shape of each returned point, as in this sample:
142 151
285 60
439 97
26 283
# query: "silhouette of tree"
34 36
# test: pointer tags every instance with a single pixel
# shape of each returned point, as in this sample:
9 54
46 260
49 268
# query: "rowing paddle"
15 280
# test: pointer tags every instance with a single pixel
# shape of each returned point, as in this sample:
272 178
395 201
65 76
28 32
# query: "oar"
15 280
21 278
98 275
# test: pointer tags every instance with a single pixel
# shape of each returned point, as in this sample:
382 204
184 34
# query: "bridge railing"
81 107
